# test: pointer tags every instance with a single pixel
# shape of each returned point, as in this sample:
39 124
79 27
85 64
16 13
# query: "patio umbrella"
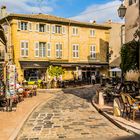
115 70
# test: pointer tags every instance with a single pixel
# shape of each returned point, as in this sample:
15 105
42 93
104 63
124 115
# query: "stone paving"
69 116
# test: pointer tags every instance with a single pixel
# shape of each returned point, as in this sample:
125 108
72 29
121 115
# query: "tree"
55 71
130 56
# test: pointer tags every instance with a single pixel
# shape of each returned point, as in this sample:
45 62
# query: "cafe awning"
34 64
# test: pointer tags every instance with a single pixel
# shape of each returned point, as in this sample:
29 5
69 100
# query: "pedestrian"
93 79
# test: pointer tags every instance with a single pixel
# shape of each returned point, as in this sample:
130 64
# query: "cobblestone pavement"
69 116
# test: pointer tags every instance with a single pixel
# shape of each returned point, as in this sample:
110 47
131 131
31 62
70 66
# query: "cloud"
100 12
26 6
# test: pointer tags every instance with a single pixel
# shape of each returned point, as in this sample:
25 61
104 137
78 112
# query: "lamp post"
121 14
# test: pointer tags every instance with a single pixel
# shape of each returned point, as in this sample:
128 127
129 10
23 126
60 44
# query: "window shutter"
26 48
73 31
37 49
47 28
29 26
63 30
76 31
48 49
61 50
19 25
37 27
53 29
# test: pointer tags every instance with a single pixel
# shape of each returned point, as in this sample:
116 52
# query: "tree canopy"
55 71
130 56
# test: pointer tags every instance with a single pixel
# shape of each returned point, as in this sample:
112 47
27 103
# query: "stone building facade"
38 41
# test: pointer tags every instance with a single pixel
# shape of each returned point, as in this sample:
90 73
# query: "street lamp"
122 11
121 14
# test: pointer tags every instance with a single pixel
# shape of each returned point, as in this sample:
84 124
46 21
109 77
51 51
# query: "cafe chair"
125 104
134 106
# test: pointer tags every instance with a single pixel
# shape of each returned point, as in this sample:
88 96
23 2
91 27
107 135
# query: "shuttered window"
92 52
40 49
74 31
58 50
24 48
75 50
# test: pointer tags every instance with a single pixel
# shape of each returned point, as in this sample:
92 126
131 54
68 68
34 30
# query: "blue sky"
83 10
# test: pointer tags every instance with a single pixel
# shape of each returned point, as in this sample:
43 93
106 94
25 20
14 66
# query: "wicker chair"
133 105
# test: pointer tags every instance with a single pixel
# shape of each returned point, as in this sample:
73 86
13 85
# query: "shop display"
11 79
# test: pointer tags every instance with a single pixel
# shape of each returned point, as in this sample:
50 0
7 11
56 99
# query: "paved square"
69 116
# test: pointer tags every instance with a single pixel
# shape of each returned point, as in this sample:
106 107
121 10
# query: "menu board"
11 79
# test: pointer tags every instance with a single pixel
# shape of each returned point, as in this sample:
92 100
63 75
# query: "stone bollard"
101 98
116 108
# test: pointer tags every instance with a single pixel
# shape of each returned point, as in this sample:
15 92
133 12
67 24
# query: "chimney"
109 21
3 11
94 22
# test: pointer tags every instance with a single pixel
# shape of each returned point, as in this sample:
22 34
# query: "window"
92 52
75 31
58 29
42 27
58 50
92 33
48 49
24 48
130 2
75 50
23 25
40 49
114 74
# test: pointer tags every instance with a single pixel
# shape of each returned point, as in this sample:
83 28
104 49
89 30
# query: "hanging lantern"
122 11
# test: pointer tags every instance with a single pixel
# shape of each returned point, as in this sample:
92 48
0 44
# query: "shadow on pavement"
84 93
128 138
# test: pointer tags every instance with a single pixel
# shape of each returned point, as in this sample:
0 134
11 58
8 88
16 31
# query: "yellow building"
40 40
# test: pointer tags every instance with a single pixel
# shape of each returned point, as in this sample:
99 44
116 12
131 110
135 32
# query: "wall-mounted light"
122 11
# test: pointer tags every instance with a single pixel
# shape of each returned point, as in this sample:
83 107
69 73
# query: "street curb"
17 130
113 121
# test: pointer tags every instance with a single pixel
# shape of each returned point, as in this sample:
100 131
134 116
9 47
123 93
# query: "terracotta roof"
51 18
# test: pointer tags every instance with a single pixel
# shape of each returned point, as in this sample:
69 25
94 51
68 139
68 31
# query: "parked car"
34 81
